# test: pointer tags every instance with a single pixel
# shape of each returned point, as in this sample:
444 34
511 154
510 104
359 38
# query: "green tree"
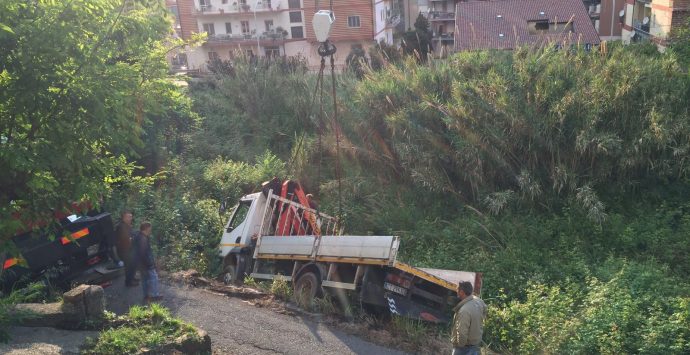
79 82
418 42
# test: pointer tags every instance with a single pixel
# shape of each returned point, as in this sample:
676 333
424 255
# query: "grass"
144 327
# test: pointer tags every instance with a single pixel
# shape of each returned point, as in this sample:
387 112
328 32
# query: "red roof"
504 24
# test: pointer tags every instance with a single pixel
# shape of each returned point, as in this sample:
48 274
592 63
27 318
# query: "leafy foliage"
80 83
560 175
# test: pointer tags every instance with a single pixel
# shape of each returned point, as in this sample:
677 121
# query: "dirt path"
238 327
44 341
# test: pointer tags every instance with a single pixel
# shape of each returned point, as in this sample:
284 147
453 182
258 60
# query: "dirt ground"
246 326
44 341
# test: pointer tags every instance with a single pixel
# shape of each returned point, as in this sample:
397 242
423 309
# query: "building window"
243 2
295 16
353 21
179 59
294 4
213 56
224 2
228 28
204 3
297 32
245 27
209 29
545 27
272 52
269 25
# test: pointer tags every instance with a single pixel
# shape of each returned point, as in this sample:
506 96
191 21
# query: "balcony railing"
444 37
393 20
225 9
246 37
441 16
639 26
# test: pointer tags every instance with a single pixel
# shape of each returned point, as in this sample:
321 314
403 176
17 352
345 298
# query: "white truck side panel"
281 245
370 247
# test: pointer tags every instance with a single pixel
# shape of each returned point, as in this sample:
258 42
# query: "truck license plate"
394 288
92 250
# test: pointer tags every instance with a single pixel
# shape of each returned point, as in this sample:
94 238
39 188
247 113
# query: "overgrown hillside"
562 176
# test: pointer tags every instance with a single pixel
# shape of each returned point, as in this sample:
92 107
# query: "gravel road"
237 327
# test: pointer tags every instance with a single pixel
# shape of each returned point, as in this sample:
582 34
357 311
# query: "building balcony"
234 9
640 26
444 37
393 20
441 16
247 38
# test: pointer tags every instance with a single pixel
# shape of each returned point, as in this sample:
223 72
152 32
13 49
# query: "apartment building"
269 28
653 20
441 15
354 27
393 17
605 15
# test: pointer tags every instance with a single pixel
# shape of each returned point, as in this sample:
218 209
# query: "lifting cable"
326 49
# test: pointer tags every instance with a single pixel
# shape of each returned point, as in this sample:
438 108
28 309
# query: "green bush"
144 327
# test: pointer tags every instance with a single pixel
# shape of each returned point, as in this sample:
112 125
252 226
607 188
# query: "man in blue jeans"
141 249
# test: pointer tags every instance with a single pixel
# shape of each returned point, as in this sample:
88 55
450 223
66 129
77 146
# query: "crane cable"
326 49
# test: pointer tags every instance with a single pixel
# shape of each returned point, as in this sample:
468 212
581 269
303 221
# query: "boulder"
187 344
82 305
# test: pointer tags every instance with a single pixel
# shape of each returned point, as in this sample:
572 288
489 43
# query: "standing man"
142 251
123 234
468 322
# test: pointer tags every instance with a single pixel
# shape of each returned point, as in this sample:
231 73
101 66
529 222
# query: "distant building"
605 15
507 24
653 20
269 28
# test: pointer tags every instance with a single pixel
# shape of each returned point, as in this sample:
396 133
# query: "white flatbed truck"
274 234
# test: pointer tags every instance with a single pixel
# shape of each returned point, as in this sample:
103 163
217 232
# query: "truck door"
235 229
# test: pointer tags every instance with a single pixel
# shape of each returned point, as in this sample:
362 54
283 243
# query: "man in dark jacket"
123 235
141 251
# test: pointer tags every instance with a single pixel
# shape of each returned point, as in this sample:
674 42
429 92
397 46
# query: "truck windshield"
240 214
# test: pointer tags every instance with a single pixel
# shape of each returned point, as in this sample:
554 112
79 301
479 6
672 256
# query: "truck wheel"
307 287
229 275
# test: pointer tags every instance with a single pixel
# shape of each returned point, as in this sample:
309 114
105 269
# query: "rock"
94 303
187 344
82 305
75 295
41 315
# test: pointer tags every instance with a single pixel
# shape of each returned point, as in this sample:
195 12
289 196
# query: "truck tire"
230 275
308 286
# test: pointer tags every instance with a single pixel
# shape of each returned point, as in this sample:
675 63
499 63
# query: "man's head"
145 228
127 217
464 289
310 197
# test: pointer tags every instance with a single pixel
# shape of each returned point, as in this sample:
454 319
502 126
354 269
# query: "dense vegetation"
561 175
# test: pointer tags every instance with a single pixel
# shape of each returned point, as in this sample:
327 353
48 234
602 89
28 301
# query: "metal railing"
245 37
638 25
441 15
283 217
